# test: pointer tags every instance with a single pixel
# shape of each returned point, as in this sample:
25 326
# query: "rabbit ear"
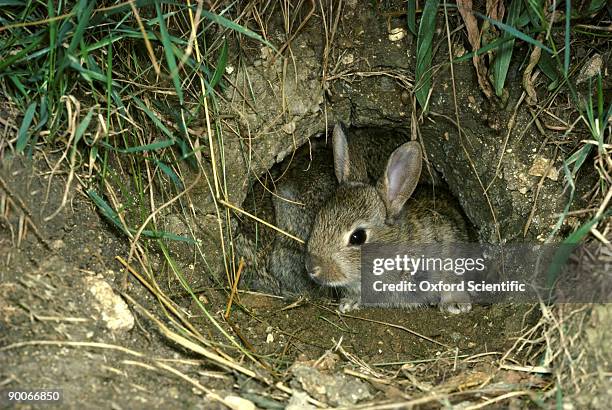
341 154
401 177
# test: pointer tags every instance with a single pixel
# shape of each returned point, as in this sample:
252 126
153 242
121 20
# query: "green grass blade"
607 116
15 80
147 233
578 158
141 148
85 8
411 16
427 28
52 57
105 42
504 53
170 60
106 210
596 5
548 67
87 74
566 53
572 189
10 60
43 115
220 69
170 173
83 11
535 8
563 254
154 118
498 42
23 136
600 106
83 125
236 27
110 214
514 32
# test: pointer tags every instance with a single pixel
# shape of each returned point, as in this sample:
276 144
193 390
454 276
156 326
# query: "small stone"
539 167
299 401
238 403
289 128
348 59
113 309
57 244
590 69
397 34
458 50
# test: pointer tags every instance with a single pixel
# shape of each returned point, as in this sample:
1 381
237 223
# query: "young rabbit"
295 205
385 213
306 185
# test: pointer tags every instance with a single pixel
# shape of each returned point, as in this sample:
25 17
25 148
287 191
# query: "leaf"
578 158
596 5
112 216
83 125
564 252
83 13
491 46
106 209
427 27
236 27
504 53
23 137
170 173
140 148
165 38
221 63
87 74
535 8
566 54
19 85
153 117
411 16
85 8
514 32
12 59
548 67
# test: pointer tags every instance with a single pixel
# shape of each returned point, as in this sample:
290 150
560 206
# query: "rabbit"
295 204
306 186
386 212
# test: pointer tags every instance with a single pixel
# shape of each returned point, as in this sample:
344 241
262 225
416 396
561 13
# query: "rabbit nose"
313 266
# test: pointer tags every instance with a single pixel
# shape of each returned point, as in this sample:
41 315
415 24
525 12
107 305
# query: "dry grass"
563 344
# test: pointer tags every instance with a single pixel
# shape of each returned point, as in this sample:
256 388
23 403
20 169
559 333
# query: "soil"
56 335
56 331
52 333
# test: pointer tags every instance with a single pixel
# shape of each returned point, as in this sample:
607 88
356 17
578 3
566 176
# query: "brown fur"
423 219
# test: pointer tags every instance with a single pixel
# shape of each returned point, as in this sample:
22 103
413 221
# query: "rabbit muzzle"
324 272
313 267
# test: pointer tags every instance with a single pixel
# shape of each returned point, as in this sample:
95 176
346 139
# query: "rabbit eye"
358 237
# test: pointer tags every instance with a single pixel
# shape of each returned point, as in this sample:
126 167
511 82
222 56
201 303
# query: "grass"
115 88
127 99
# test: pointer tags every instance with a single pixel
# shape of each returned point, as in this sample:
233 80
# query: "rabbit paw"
456 308
455 302
348 304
